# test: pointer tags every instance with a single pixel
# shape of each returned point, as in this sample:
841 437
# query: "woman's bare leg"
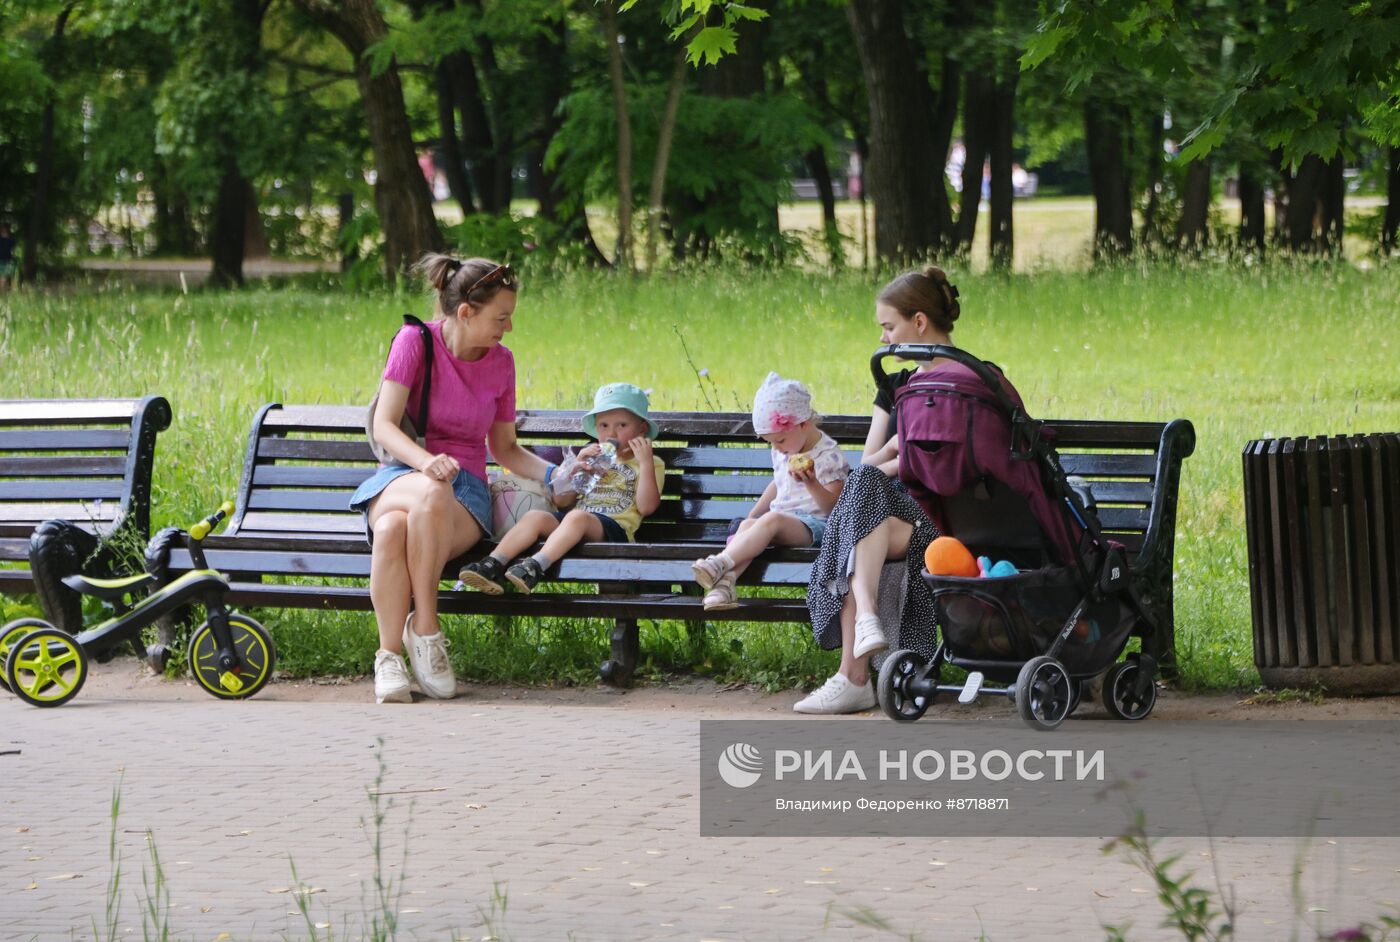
389 588
426 527
888 541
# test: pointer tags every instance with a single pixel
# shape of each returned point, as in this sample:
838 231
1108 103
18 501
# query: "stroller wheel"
1076 695
1043 693
1121 696
897 676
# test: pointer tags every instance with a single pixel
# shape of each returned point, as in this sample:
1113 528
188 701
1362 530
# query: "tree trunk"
899 179
1113 210
977 133
39 231
1252 230
1193 228
229 226
944 117
831 232
254 232
345 207
1001 241
1300 216
623 255
400 191
495 103
454 161
1390 225
665 133
1332 206
565 210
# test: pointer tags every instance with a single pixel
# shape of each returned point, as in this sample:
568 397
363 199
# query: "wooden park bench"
302 463
87 461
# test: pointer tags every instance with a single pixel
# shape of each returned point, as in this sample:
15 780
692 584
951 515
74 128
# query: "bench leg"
617 671
695 629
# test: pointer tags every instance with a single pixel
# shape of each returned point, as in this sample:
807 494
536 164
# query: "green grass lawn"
1272 351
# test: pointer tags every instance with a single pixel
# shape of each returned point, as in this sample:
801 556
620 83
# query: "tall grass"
1278 350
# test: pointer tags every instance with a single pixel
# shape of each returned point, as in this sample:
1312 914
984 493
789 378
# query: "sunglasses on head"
502 275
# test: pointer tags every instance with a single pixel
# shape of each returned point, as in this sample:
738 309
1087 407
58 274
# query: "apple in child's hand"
799 463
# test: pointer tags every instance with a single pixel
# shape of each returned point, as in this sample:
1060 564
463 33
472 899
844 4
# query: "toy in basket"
230 654
1060 603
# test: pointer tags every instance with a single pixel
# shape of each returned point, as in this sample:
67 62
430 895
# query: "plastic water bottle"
584 480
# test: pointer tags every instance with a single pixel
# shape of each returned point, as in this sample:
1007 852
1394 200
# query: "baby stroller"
988 474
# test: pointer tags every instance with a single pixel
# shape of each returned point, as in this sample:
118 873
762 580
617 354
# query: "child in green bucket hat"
622 497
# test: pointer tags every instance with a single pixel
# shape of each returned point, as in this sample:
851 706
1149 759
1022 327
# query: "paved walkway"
583 815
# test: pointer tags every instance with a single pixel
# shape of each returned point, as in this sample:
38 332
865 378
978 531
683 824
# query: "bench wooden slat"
538 605
15 412
75 466
1110 465
63 440
75 512
16 581
330 543
316 449
574 568
319 476
14 547
324 477
1075 433
55 489
1121 492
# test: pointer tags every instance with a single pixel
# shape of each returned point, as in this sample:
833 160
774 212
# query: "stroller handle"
933 351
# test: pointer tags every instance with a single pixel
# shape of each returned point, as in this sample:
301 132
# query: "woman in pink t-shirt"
432 503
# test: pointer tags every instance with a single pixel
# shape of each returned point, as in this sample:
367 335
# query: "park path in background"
583 813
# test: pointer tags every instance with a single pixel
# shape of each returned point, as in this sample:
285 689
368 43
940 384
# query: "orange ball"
946 556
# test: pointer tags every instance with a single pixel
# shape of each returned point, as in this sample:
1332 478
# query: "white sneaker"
431 668
838 695
869 635
390 678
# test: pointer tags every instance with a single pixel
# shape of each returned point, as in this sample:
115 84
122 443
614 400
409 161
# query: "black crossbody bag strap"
411 321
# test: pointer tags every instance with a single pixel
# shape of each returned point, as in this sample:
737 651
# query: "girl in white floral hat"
809 470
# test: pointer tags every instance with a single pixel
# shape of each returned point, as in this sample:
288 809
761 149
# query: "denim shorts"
817 526
471 492
612 530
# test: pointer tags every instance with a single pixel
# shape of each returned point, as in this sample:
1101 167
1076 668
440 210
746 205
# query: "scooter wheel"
10 634
46 667
256 659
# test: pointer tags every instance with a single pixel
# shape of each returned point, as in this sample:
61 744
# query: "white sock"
544 561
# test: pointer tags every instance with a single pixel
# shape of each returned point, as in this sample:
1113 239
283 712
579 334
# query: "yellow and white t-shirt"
615 494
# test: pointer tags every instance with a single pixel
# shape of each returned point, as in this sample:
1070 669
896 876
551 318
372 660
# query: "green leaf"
1042 46
736 11
712 44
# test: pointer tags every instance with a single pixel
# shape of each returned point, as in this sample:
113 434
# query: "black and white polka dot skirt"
906 606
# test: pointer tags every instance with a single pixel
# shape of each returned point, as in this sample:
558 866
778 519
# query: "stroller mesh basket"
1016 618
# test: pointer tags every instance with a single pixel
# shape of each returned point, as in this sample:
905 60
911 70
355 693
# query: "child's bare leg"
522 536
774 528
576 527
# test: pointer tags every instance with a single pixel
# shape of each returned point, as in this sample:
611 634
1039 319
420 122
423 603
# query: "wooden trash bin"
1323 523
